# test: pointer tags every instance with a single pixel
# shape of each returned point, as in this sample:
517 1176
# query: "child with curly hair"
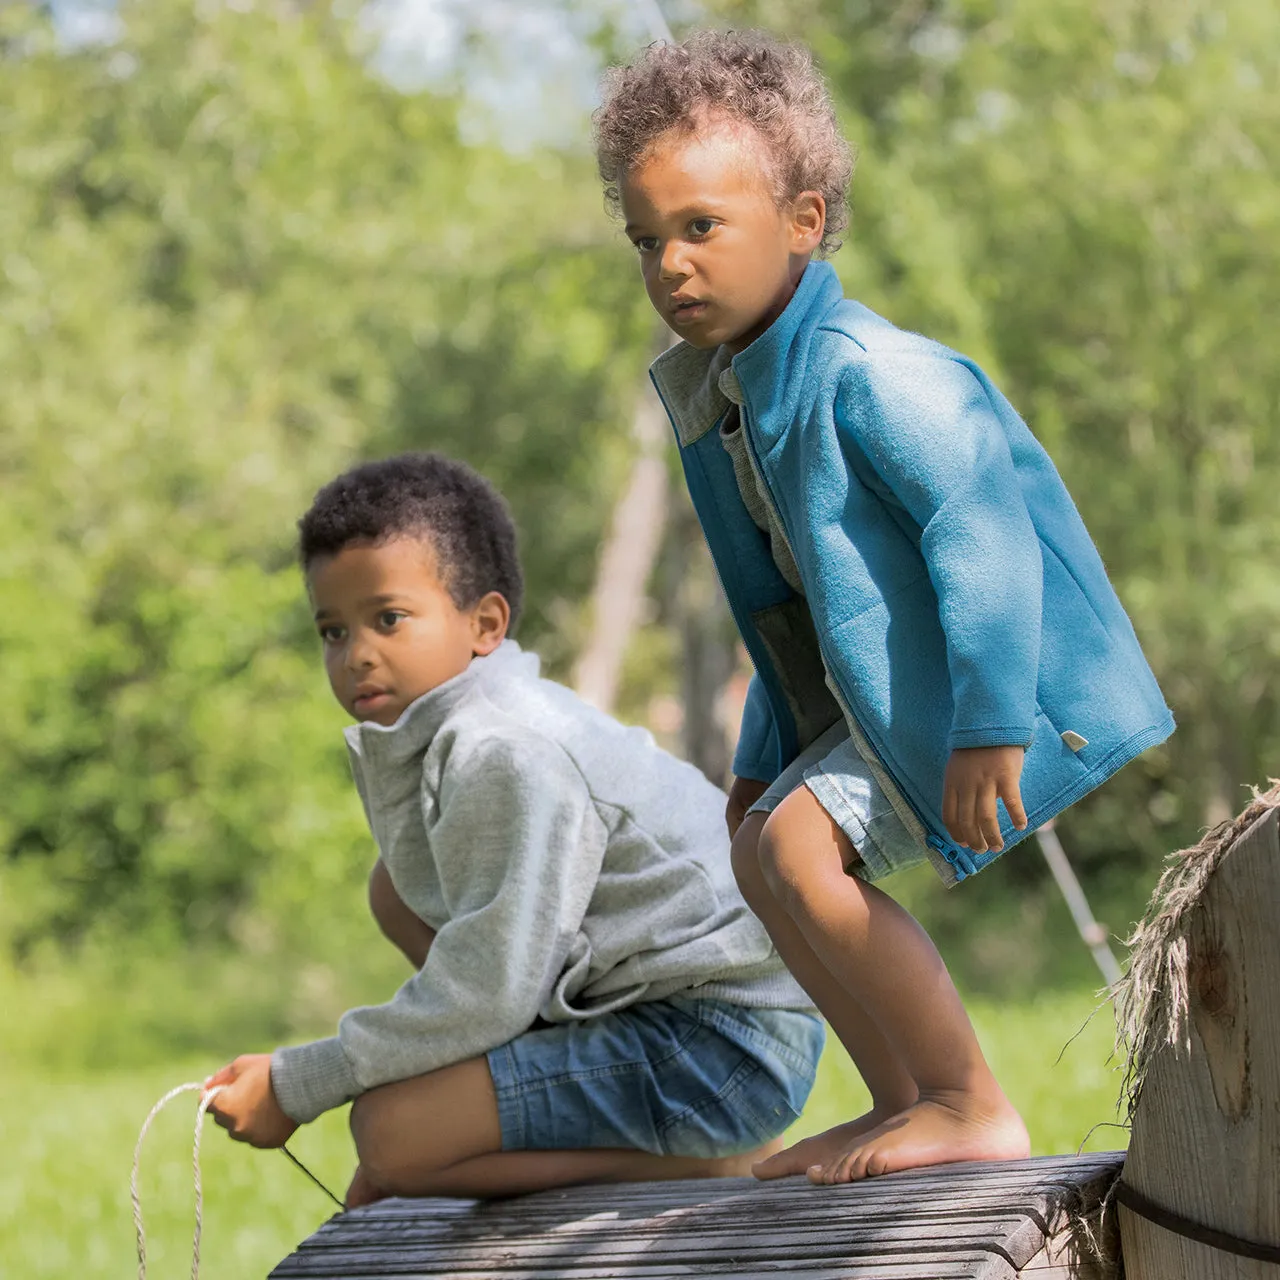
941 664
590 1000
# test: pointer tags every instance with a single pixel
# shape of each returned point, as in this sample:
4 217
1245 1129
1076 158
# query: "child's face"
720 259
391 630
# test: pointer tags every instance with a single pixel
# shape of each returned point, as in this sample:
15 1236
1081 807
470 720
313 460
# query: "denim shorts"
832 769
679 1077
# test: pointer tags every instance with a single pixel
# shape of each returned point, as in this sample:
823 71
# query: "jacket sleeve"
517 844
927 427
756 755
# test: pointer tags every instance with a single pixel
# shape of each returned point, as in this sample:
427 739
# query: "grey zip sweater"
568 865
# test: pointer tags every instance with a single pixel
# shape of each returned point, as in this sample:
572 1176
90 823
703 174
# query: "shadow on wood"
951 1222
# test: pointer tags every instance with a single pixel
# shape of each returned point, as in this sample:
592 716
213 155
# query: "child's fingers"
988 817
951 814
1011 794
969 825
222 1116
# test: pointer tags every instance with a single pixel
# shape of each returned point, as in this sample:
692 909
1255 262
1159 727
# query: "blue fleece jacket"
953 592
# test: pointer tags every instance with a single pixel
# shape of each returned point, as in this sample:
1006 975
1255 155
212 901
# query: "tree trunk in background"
626 561
691 598
708 642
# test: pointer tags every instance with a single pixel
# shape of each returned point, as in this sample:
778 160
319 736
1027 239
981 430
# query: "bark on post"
1206 1108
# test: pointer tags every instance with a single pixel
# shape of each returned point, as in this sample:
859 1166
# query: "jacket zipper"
960 859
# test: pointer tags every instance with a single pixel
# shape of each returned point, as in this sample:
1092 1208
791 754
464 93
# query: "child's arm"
742 795
517 844
931 434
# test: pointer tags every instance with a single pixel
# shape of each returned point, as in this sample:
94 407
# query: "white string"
208 1097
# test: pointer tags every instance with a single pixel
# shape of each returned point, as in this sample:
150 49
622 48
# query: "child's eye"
388 618
646 244
332 633
702 226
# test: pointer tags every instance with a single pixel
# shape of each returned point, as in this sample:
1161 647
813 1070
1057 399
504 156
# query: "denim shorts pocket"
758 1067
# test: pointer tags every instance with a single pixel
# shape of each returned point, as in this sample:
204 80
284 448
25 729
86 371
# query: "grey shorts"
832 769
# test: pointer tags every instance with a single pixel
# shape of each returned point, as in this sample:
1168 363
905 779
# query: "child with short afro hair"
941 664
591 998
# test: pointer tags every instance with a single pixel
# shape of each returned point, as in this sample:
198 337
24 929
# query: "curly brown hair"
744 76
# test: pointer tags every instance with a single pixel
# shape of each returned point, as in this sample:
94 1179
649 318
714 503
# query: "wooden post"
1206 1130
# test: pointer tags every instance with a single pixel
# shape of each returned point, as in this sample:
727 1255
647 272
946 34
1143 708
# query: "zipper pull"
960 858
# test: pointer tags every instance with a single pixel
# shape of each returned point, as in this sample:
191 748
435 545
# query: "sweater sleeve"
517 844
928 428
756 755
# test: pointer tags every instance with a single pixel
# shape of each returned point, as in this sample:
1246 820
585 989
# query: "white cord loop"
195 1163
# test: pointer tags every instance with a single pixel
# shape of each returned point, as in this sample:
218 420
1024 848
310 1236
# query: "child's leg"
439 1135
886 962
397 921
891 1086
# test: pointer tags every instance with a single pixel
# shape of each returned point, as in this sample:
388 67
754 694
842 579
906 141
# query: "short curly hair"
428 496
744 76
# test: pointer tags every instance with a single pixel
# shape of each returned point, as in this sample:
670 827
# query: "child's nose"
672 264
360 653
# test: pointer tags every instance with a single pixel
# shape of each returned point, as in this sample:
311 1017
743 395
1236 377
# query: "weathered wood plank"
1206 1136
572 1265
644 1199
956 1222
951 1268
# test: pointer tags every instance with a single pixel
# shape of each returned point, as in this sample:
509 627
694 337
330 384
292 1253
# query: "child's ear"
808 221
490 619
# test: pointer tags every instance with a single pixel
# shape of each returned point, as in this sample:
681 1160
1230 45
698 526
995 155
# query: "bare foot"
937 1130
820 1150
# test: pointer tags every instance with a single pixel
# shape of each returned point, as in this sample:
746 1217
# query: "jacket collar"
688 379
421 719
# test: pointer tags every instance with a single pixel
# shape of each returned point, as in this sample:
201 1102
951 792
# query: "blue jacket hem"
1111 763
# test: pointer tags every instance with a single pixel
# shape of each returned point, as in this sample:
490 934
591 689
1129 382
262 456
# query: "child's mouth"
686 311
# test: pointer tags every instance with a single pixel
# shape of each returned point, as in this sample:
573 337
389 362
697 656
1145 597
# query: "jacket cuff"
309 1079
1001 735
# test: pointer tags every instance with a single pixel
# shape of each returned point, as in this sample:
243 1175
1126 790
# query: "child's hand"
247 1107
742 795
975 778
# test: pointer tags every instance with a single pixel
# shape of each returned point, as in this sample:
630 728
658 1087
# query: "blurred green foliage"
232 261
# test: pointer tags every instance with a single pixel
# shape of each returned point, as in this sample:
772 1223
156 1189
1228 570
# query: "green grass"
68 1143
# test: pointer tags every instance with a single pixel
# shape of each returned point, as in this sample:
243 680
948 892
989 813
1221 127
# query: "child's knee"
794 865
777 858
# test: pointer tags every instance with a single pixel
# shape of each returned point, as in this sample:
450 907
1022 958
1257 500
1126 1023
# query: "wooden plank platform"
951 1222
